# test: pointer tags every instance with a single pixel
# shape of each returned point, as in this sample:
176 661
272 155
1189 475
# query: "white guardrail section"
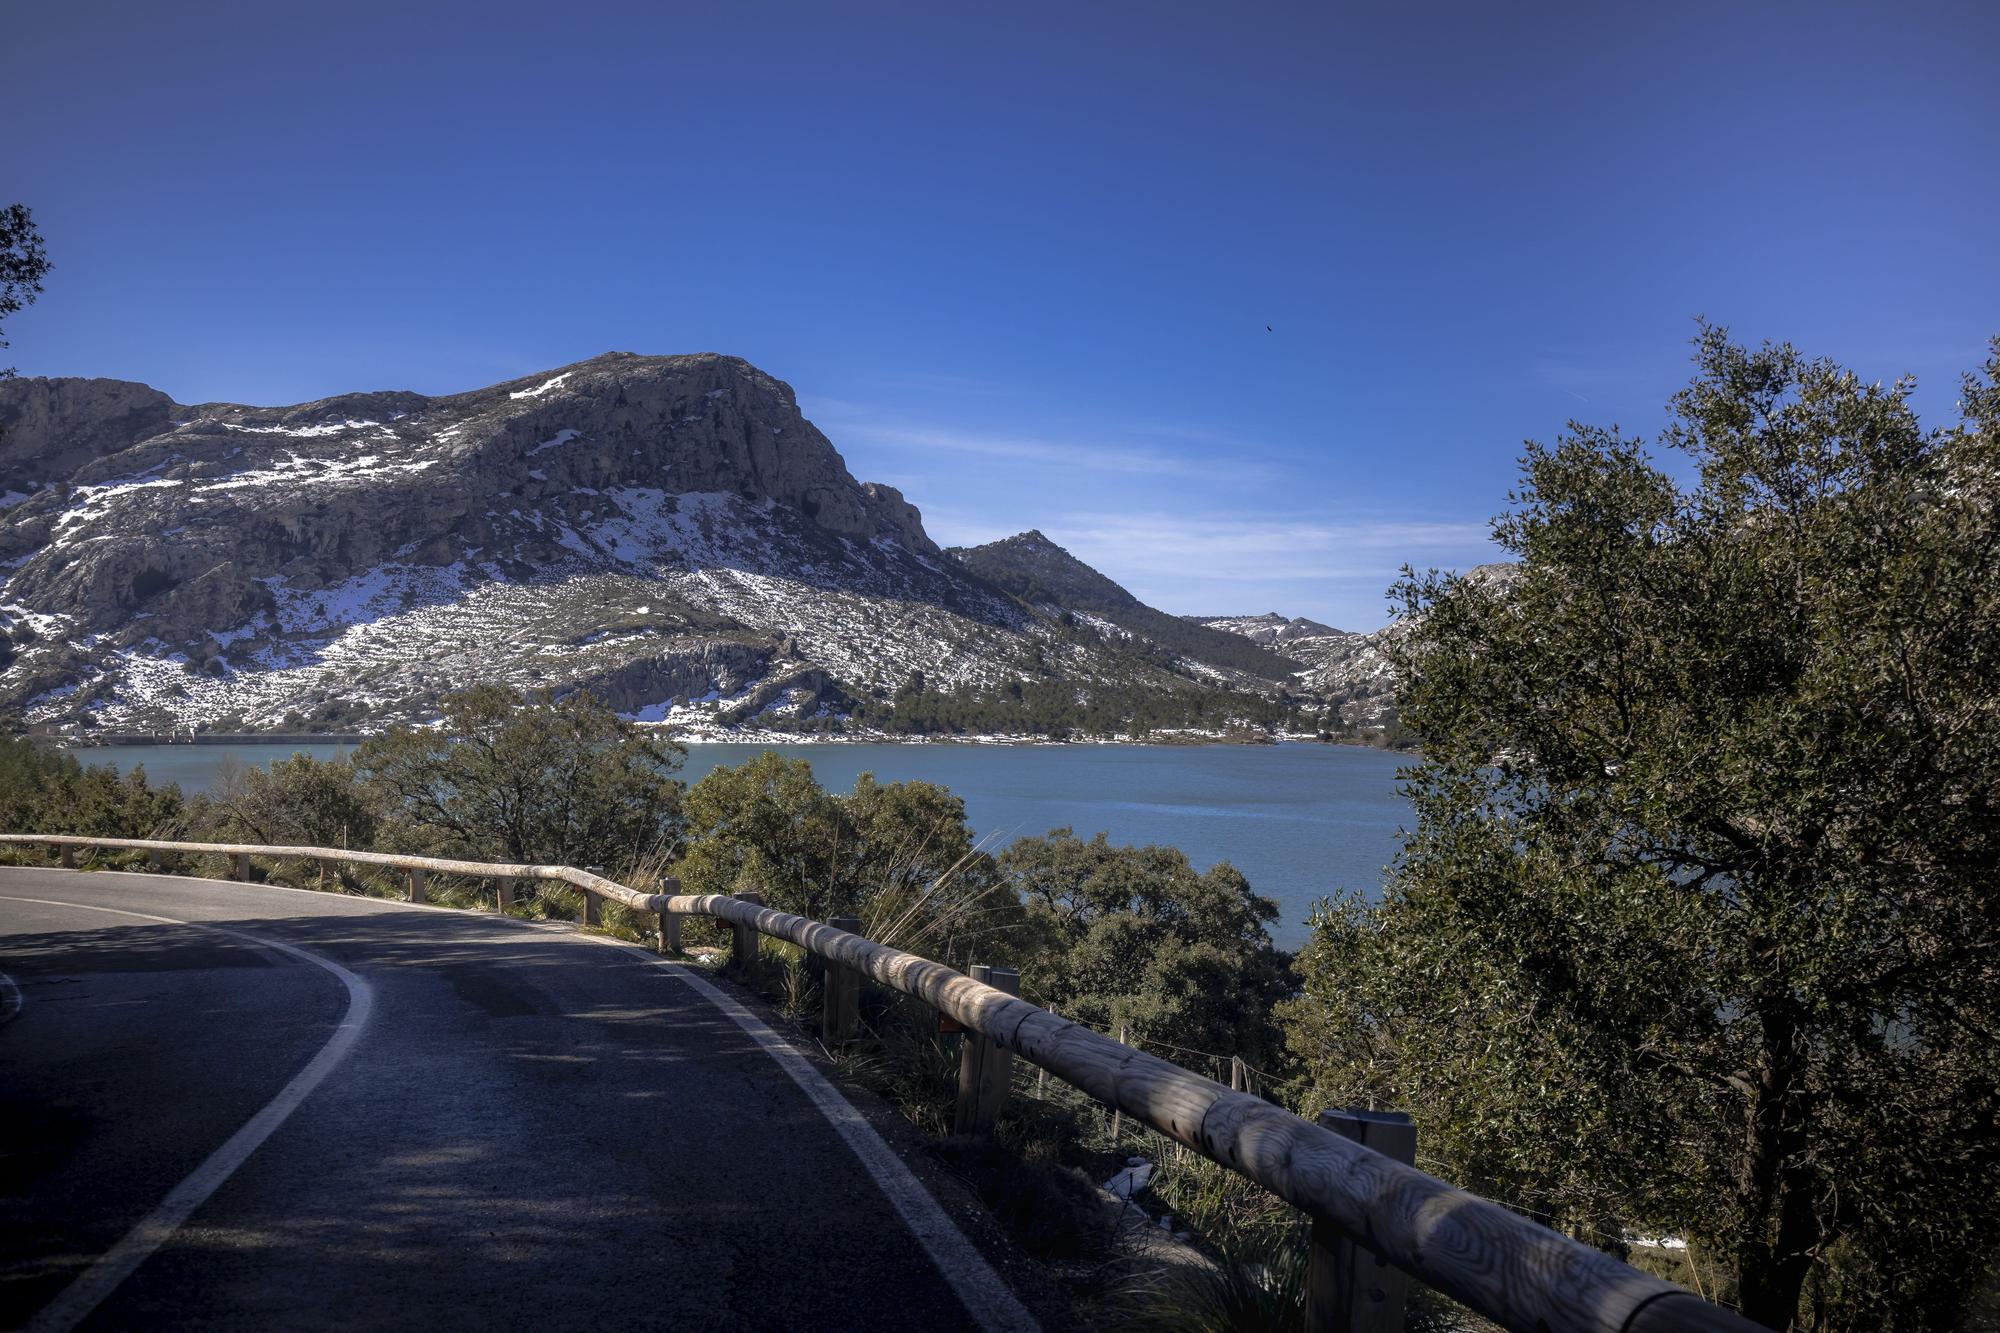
1505 1266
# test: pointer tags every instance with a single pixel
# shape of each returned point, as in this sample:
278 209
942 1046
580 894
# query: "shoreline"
1181 741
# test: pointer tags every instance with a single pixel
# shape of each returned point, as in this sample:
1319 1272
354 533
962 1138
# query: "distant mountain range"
668 532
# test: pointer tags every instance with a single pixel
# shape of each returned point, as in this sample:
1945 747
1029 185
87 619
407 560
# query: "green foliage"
535 779
1695 928
897 855
43 791
24 262
1134 937
300 801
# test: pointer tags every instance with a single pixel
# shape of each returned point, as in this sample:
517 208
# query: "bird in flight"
1267 328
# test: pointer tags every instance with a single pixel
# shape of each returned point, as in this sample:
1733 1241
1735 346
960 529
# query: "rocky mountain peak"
1034 568
137 525
1272 627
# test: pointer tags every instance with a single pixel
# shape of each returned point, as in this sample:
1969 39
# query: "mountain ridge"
669 532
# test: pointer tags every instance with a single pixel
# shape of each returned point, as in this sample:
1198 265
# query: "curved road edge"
74 1304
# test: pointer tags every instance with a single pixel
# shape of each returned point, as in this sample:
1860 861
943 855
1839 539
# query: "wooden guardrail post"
68 854
503 892
416 884
593 908
743 941
242 860
1118 1113
840 999
670 922
985 1067
1349 1287
328 880
154 861
1239 1074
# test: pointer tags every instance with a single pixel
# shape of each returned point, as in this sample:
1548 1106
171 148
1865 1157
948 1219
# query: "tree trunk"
1768 1289
1778 1226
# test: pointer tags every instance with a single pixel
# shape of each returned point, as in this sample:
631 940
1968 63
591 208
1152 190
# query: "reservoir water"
1299 820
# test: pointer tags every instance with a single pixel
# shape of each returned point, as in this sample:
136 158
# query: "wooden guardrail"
240 852
1498 1263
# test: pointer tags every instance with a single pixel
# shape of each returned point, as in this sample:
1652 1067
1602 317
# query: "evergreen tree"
1696 926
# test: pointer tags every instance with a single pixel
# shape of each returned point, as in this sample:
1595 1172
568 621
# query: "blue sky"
1019 259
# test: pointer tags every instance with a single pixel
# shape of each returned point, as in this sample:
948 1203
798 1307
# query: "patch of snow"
89 501
542 388
311 471
305 432
562 437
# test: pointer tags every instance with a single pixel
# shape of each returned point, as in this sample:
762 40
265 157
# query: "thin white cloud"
1188 538
1333 569
1020 448
1259 549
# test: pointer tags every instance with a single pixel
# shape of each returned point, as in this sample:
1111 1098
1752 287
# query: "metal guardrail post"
840 1000
985 1067
1349 1287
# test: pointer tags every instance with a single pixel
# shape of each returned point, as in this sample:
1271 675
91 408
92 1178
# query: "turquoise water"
1299 820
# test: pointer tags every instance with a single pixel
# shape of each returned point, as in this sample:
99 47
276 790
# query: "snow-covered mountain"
669 532
1350 676
1349 673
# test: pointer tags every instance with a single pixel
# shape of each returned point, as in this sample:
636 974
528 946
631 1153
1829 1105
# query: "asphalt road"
286 1110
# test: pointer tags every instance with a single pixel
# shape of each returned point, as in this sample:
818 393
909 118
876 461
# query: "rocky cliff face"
51 428
668 531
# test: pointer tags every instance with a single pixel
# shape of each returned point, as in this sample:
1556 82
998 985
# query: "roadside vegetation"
1692 953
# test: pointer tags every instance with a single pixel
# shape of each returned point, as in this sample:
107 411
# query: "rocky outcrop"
315 493
51 428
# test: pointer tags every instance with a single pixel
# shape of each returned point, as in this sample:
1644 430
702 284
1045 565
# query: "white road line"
116 1264
983 1292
